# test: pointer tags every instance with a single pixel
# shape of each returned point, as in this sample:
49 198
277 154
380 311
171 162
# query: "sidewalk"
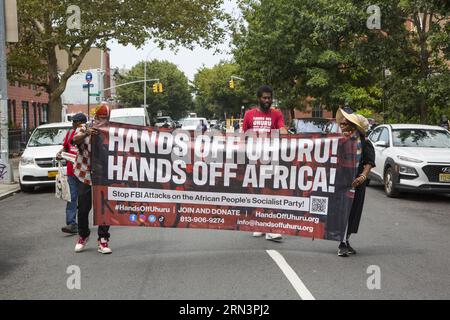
7 189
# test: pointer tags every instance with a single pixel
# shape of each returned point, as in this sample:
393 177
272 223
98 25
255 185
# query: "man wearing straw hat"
355 126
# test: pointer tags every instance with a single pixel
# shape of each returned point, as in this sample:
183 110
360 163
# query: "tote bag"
62 188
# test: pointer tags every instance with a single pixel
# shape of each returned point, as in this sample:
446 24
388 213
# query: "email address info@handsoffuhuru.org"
270 224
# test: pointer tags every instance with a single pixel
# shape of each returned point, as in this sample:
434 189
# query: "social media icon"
133 217
152 218
161 219
142 218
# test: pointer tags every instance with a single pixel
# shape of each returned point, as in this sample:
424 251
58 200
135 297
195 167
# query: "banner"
290 184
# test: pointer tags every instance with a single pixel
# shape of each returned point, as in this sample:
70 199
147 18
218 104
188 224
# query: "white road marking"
293 278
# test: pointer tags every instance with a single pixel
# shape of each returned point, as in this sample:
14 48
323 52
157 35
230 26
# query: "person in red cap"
82 170
71 207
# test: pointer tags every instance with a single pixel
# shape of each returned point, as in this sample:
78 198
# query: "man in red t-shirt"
263 118
71 207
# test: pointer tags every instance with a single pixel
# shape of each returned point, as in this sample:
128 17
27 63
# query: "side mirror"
382 144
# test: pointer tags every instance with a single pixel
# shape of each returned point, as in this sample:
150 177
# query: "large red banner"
289 184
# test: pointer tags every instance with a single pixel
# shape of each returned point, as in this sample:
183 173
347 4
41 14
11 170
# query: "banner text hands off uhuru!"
268 161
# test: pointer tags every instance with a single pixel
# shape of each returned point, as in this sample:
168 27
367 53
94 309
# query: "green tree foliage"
213 96
43 29
176 98
324 49
418 89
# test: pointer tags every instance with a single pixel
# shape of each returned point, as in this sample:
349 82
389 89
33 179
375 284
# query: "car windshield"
136 120
424 138
48 137
314 125
161 120
189 122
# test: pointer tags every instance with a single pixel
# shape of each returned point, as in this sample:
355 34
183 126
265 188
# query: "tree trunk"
55 108
424 67
54 95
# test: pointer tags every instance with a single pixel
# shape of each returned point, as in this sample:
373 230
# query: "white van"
192 123
136 116
38 165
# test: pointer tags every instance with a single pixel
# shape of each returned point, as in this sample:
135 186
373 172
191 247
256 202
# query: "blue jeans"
71 208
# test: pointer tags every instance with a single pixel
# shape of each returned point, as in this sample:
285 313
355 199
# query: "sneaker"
103 246
81 244
274 237
72 229
350 249
342 250
258 234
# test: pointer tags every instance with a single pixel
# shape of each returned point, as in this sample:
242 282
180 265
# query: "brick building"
27 106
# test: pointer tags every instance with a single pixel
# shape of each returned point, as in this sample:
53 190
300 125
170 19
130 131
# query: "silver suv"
412 158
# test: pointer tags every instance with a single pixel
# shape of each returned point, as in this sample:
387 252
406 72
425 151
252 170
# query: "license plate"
52 174
444 177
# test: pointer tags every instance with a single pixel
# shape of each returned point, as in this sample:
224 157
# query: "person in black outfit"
355 127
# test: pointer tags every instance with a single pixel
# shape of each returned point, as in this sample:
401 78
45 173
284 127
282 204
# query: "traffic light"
155 88
160 87
231 84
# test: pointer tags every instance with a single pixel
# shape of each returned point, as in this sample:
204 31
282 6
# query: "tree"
324 49
422 71
176 98
307 48
43 29
214 97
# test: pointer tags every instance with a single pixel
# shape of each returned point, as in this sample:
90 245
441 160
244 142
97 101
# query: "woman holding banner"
355 126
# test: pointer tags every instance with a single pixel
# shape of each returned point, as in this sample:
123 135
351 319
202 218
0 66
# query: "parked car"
136 116
165 122
411 157
314 125
38 165
192 123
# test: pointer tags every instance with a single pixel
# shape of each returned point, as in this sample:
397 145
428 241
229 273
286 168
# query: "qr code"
319 205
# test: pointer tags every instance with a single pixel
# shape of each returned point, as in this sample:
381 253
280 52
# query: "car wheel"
389 184
27 189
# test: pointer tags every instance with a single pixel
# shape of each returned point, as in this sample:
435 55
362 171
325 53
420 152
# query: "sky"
187 61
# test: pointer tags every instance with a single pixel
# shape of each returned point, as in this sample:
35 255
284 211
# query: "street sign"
88 77
94 94
90 85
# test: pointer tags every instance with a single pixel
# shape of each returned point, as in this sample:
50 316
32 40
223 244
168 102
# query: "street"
405 240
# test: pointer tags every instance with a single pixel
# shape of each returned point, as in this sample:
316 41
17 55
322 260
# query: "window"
421 138
39 111
25 117
317 111
384 136
35 115
44 113
10 117
375 135
14 113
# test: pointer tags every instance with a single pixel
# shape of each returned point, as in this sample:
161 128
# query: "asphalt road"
402 243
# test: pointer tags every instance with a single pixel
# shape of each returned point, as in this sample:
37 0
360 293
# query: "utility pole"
9 176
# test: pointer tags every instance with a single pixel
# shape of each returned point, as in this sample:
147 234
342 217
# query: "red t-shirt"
68 147
263 121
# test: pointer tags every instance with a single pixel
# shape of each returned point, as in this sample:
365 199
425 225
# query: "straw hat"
361 123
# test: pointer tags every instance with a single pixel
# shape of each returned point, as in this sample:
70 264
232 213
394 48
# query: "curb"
9 193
